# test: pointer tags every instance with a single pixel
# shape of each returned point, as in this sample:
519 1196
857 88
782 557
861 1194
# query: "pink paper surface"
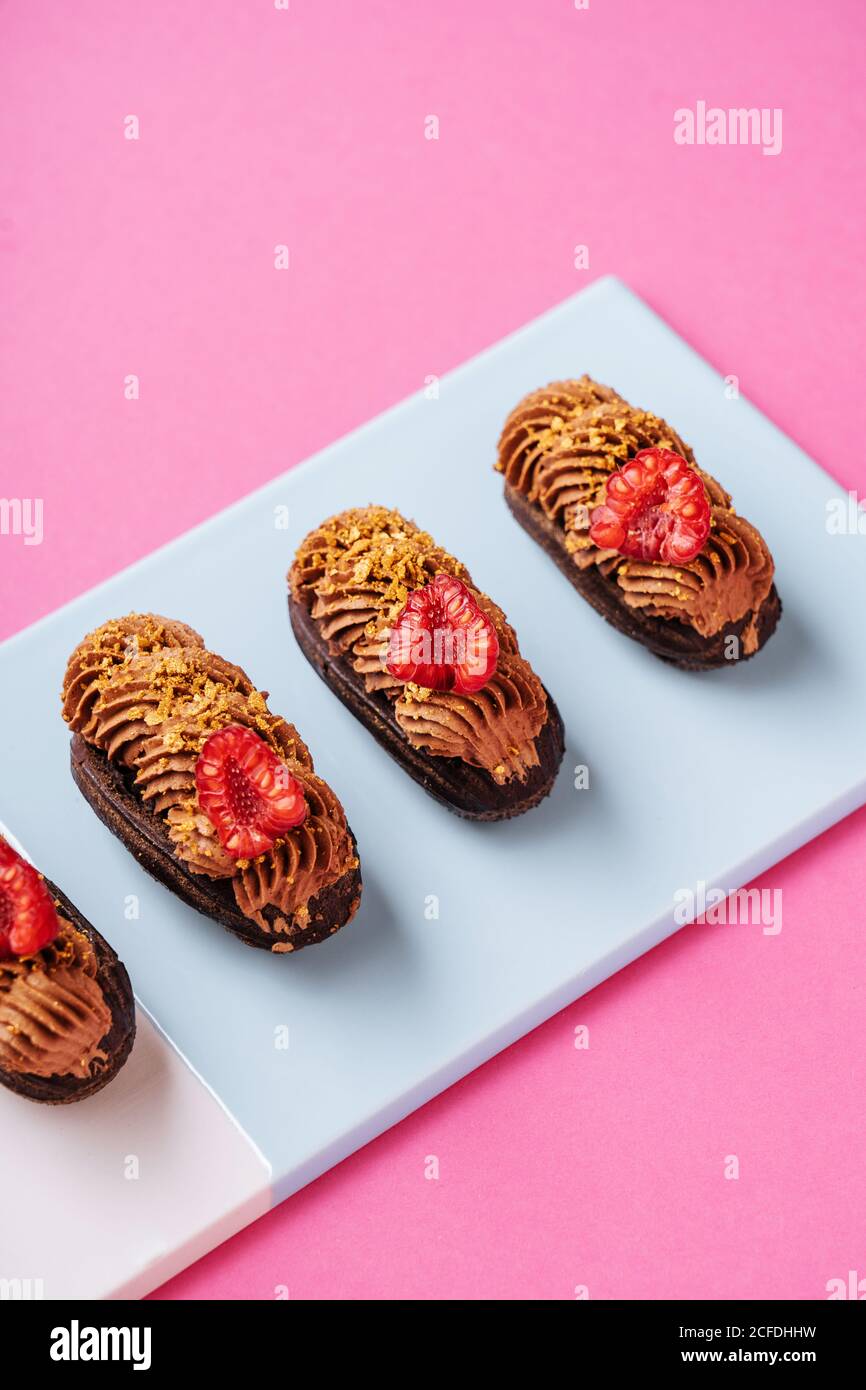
559 1167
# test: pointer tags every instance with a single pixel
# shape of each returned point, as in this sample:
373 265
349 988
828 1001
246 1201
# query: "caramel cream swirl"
53 1015
148 693
354 574
558 448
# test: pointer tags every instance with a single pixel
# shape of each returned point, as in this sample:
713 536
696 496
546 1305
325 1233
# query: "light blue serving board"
708 777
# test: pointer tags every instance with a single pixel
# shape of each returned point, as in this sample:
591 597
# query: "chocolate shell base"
117 1043
468 791
672 641
107 788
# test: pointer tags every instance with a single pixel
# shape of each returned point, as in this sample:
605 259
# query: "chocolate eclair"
177 752
427 662
617 500
67 1012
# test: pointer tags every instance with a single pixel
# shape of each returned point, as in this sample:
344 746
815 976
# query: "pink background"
558 1167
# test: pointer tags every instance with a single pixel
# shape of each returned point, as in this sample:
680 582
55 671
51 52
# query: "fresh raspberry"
655 508
28 917
247 794
442 639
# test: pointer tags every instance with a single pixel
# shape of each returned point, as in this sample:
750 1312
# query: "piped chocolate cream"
354 574
558 448
147 693
53 1014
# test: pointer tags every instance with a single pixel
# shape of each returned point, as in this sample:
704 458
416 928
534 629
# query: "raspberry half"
247 794
442 639
655 508
28 917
